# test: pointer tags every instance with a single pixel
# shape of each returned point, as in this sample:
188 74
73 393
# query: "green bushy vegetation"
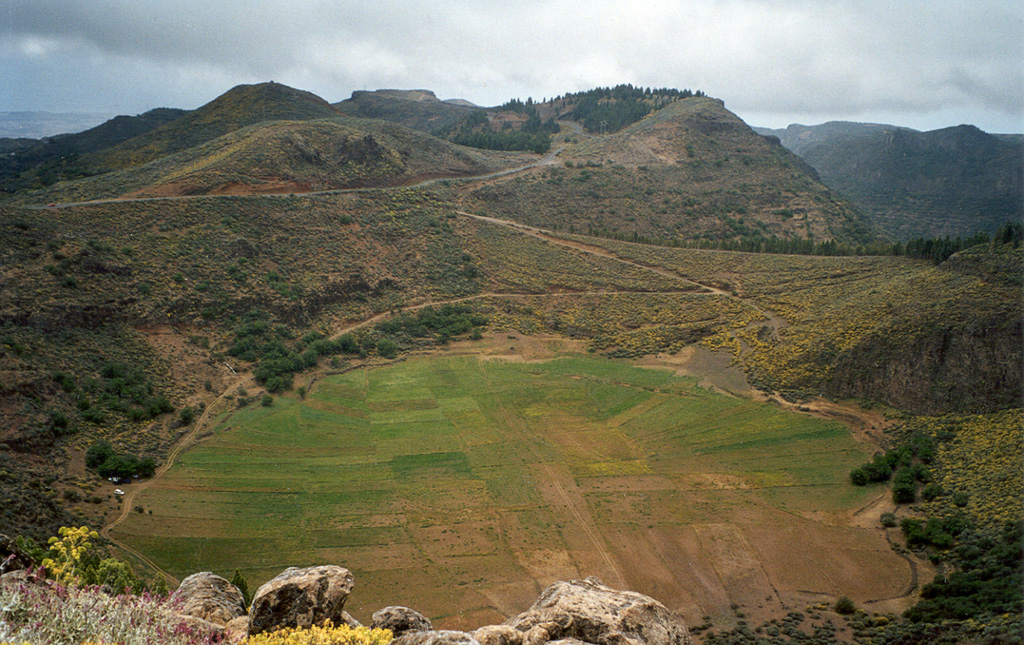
971 523
609 109
442 323
107 462
475 131
900 465
988 579
279 355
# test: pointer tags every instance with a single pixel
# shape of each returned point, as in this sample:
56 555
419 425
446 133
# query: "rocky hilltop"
416 109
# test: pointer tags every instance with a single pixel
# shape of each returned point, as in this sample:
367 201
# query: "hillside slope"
291 157
238 107
33 163
954 181
692 169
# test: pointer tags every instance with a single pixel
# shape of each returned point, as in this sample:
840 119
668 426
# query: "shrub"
845 606
67 553
98 453
888 519
989 579
94 415
904 493
267 401
931 491
186 416
387 348
107 462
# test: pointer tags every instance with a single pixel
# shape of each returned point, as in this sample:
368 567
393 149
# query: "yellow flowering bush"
327 634
67 553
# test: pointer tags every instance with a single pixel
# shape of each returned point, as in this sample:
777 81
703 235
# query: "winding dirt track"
548 159
130 495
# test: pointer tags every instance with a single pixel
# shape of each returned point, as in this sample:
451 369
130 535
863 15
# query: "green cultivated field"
455 482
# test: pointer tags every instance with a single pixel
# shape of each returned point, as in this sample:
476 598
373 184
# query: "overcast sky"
921 64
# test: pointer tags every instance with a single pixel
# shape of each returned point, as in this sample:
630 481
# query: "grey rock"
237 630
301 598
349 620
211 598
442 637
11 557
400 620
498 635
589 611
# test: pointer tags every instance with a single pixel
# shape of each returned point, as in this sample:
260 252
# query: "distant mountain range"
36 125
955 181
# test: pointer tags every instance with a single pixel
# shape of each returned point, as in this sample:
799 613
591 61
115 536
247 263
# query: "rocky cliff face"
953 181
949 367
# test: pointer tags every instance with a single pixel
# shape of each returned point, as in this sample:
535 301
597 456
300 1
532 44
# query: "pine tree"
239 581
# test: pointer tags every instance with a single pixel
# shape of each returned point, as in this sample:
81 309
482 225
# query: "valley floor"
468 469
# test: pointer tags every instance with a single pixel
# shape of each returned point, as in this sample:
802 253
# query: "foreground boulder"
301 598
12 558
400 620
589 611
498 635
211 598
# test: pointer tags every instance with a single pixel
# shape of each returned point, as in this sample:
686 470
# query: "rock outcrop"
11 557
592 612
211 598
440 637
498 635
577 612
301 598
400 620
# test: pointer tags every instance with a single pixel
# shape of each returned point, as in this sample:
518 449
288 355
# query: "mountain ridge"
688 170
954 181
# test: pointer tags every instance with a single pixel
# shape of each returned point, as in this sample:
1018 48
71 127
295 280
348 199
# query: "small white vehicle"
118 491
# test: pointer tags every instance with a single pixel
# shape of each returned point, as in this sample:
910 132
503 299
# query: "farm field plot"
461 487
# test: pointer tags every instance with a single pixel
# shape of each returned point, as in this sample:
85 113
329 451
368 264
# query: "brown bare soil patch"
270 187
